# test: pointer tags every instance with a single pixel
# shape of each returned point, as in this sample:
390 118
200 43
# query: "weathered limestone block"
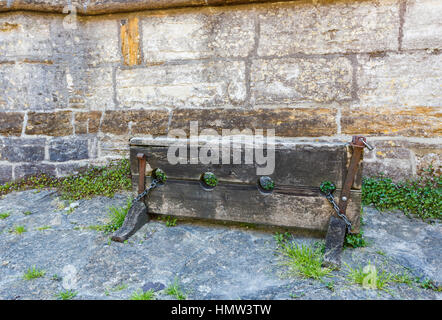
287 122
184 85
411 121
5 173
30 86
88 88
329 27
87 122
25 36
400 80
197 35
87 40
23 149
70 168
32 169
51 124
144 121
65 149
393 168
422 25
292 80
11 123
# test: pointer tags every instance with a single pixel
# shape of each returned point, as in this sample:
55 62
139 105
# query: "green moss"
210 179
421 196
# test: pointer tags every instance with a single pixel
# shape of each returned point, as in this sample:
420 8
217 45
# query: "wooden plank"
287 206
301 165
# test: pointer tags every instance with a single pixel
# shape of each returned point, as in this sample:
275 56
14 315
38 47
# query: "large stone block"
5 173
11 123
329 27
87 122
25 36
88 88
23 149
412 121
30 86
400 80
144 121
287 122
198 34
65 149
32 169
422 25
88 40
184 85
292 80
51 124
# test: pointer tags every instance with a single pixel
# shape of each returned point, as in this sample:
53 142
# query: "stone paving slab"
209 261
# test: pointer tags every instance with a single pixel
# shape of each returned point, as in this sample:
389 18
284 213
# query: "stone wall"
313 70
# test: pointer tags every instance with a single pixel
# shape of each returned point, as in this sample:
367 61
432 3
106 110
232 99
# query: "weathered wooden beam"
296 201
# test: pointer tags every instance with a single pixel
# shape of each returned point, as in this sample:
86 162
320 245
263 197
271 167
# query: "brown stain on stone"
130 42
6 26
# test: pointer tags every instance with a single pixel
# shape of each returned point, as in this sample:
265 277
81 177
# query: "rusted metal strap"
142 171
358 143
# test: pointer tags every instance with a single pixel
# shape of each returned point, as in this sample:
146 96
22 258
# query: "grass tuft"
117 216
303 260
175 290
33 273
369 277
66 295
140 295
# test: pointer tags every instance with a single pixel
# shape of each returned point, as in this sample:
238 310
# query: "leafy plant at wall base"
104 181
421 196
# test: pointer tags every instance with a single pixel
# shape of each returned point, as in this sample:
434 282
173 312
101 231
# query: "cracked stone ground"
210 262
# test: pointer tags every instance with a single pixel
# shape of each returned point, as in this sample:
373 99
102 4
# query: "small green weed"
140 295
18 229
27 213
43 228
33 273
4 215
355 240
66 295
174 289
428 284
170 222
